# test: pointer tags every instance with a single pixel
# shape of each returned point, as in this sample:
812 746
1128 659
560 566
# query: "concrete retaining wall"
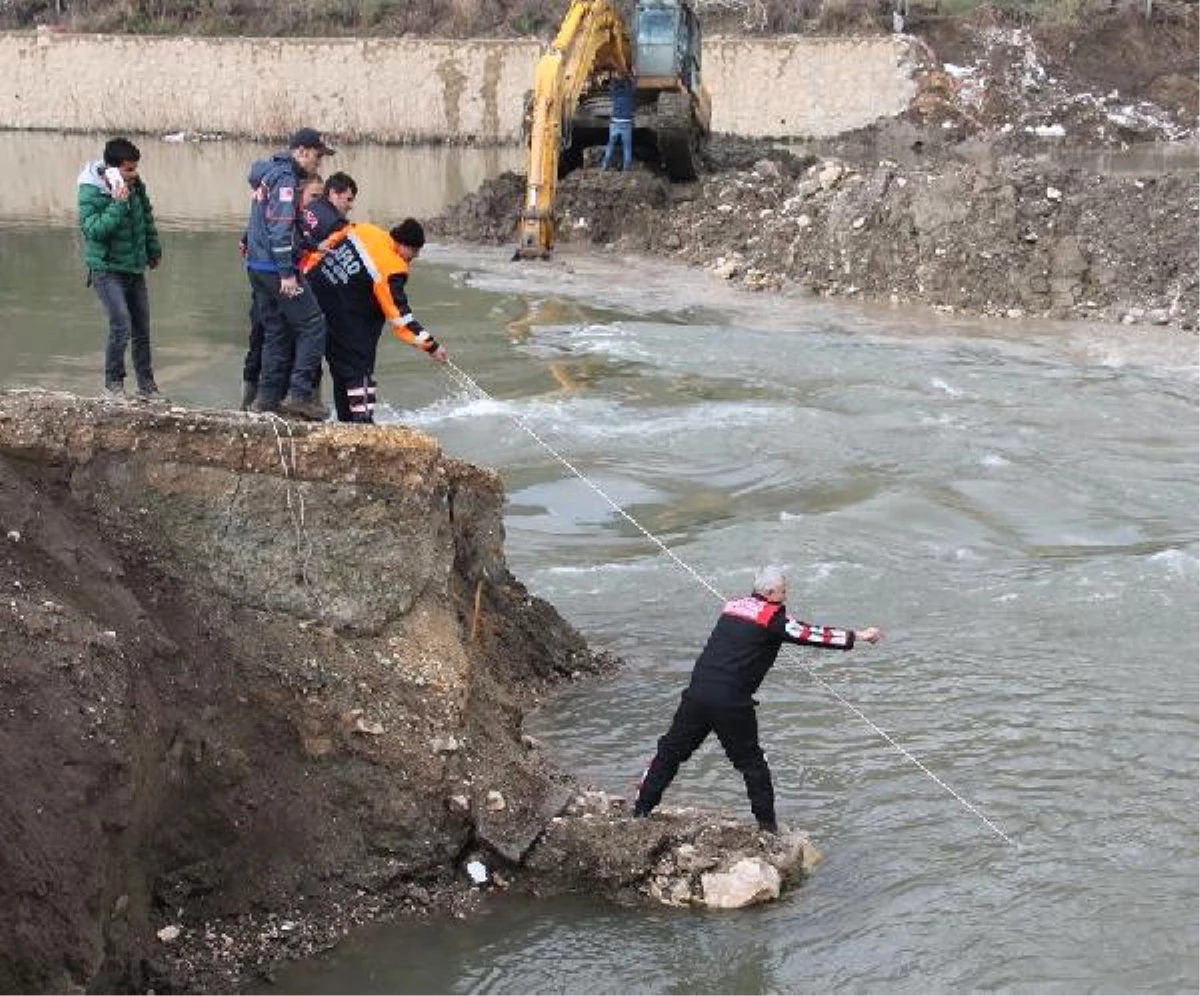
409 90
806 87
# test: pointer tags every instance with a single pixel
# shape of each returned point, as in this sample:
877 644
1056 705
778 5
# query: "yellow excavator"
570 108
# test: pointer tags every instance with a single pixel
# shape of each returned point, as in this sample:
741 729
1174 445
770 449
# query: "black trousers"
293 338
736 726
350 353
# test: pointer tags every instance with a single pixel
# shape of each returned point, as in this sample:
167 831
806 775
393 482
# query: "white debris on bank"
1010 61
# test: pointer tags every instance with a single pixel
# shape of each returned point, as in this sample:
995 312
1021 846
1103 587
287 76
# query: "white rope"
901 750
471 384
304 546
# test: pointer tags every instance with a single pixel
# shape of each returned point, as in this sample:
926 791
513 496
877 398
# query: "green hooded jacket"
118 236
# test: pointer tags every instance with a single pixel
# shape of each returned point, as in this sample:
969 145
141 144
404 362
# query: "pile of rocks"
677 857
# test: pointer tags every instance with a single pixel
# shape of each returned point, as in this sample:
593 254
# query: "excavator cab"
667 41
674 109
671 120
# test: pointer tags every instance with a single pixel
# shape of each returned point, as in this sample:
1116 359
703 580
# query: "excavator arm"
593 38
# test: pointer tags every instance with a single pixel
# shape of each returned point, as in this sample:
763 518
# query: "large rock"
677 857
747 882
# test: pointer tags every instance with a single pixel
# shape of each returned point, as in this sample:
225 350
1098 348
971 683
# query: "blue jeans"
127 304
293 339
619 131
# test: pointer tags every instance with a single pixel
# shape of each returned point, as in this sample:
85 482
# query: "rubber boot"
249 392
308 409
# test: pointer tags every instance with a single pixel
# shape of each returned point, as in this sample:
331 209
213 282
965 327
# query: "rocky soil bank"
1013 186
262 682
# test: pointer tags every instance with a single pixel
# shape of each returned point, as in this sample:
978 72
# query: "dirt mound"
592 205
488 215
602 206
977 199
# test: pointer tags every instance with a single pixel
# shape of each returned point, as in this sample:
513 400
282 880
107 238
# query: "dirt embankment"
260 683
263 682
1028 177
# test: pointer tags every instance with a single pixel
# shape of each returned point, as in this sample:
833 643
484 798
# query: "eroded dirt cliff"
264 681
254 672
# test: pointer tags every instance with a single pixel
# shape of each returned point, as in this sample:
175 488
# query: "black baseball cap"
310 138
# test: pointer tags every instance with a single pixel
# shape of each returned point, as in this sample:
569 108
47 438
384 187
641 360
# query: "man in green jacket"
120 242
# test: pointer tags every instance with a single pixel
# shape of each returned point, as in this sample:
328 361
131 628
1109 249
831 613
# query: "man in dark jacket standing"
739 653
620 122
120 241
293 326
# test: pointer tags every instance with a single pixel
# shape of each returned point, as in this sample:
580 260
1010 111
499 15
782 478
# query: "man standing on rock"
359 275
293 326
120 240
719 699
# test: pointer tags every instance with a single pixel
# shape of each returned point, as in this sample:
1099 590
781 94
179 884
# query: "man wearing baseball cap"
310 138
293 325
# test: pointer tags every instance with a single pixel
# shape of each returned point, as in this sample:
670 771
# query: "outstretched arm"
807 634
393 301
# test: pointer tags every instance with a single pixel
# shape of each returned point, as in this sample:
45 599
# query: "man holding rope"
719 699
359 274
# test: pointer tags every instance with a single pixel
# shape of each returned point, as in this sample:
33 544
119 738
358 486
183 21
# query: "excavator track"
680 139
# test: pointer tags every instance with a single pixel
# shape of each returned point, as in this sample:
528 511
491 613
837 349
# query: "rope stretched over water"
468 382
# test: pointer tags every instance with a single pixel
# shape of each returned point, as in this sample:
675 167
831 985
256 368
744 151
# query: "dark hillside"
1147 49
447 18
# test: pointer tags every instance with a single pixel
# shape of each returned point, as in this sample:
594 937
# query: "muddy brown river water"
1015 504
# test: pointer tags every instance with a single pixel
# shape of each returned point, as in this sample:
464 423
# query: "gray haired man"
719 699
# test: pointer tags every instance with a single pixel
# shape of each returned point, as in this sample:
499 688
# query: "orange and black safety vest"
360 281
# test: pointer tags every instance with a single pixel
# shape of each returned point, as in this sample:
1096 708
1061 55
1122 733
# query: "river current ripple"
1015 504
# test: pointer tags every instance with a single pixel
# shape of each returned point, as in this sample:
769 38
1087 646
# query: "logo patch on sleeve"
286 194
